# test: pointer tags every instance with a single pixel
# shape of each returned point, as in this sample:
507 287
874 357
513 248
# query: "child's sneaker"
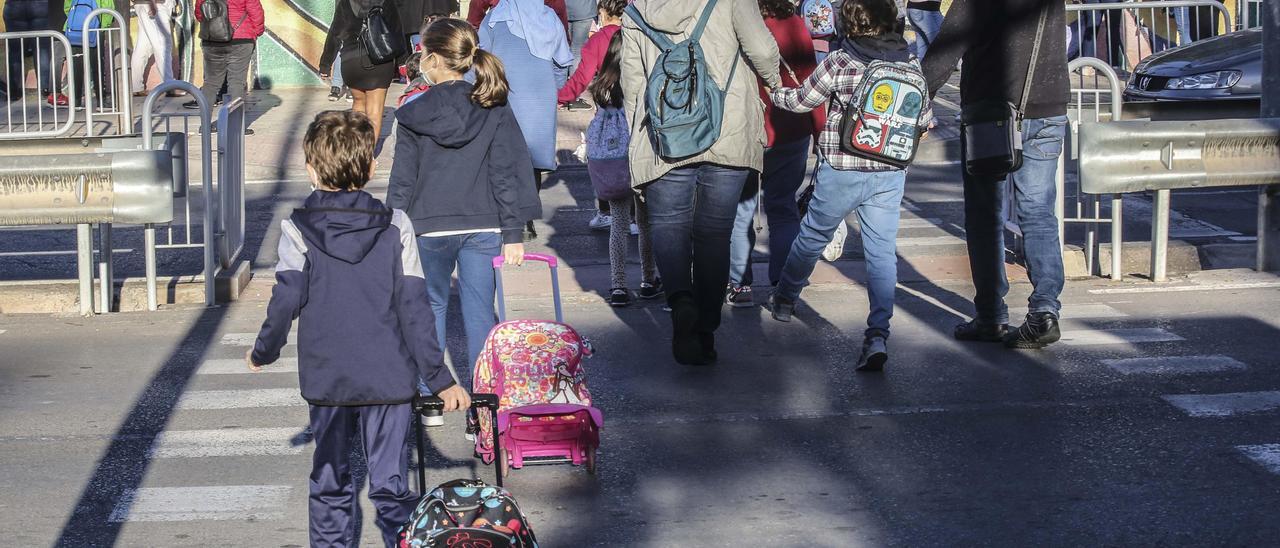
619 297
739 296
602 221
875 353
651 290
335 93
836 248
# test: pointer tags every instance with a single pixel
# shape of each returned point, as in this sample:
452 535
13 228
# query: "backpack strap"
659 39
702 22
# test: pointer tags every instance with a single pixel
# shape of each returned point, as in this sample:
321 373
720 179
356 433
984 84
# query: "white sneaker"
635 229
836 248
600 222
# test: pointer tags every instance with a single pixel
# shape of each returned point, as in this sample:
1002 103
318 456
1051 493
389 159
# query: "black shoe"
1040 330
335 93
651 290
191 105
619 297
781 308
708 340
529 233
875 353
577 104
686 346
972 330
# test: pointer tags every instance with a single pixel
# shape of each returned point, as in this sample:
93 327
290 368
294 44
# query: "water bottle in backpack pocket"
77 15
685 106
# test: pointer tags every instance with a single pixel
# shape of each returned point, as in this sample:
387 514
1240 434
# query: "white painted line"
1077 311
247 339
1177 288
914 222
3 331
241 399
930 241
1268 456
236 366
214 503
52 253
1087 337
1175 365
1225 405
228 442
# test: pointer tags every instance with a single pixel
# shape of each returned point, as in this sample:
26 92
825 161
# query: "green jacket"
105 19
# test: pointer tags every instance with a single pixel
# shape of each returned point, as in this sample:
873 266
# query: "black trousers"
226 64
26 15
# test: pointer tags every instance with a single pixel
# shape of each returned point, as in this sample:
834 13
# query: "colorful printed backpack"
529 362
886 115
466 513
819 17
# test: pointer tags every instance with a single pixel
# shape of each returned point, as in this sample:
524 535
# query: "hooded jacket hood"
445 115
671 16
342 225
887 47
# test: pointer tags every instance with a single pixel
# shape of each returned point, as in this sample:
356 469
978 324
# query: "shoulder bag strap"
1035 54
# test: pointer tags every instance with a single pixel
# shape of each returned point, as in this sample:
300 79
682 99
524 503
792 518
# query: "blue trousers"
784 167
383 431
472 255
876 196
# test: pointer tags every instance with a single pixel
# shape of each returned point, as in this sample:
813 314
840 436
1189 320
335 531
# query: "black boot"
1040 330
973 330
708 340
686 346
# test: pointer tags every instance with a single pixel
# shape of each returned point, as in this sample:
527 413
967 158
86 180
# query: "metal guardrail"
44 47
1122 33
1094 99
231 124
1134 156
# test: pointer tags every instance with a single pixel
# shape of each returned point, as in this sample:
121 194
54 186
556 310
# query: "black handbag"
381 35
991 131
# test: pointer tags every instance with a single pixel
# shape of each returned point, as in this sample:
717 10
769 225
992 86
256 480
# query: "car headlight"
1222 79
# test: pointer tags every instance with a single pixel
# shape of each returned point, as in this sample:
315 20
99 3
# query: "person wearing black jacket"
368 81
995 38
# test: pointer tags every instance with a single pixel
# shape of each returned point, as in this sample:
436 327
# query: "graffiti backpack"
886 116
467 513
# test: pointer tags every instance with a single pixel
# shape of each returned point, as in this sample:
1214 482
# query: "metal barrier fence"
1094 99
1121 34
48 49
231 123
105 90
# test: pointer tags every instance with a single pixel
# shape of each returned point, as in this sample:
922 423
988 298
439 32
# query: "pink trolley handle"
552 262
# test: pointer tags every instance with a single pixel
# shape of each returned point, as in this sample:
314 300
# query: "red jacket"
796 48
592 57
254 23
475 15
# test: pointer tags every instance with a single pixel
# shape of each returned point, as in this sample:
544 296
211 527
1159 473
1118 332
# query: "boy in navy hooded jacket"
349 272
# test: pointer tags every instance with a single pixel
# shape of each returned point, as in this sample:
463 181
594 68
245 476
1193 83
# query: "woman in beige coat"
692 201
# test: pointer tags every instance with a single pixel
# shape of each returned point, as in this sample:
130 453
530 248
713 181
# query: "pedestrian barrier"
1121 34
26 116
1094 99
1159 156
231 124
105 88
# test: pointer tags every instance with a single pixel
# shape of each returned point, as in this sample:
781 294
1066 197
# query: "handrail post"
1269 196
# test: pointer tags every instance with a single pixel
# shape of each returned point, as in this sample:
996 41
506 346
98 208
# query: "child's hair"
778 9
427 21
613 7
455 42
413 67
860 18
339 147
606 88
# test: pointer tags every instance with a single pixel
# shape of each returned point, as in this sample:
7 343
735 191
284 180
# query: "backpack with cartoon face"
886 115
819 17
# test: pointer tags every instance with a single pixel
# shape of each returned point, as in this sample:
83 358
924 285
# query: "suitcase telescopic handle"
423 404
552 262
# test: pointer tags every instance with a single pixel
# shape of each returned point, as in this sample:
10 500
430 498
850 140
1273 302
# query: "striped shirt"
833 84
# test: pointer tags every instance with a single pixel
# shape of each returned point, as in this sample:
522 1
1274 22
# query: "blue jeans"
927 24
473 255
691 211
579 31
784 167
338 82
877 197
1035 194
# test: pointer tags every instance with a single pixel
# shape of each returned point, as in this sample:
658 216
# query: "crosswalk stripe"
1174 365
224 502
1077 311
247 339
1224 286
241 399
1086 337
229 442
930 241
236 366
1266 455
1225 405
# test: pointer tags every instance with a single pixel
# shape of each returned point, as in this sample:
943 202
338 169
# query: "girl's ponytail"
491 86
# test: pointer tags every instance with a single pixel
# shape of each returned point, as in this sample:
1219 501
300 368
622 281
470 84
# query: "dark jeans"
1035 194
691 211
784 168
382 431
93 89
226 63
21 16
1095 27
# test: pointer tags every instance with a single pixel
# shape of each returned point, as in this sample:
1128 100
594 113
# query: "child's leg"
439 257
476 288
332 499
385 429
743 238
878 215
619 233
648 268
836 194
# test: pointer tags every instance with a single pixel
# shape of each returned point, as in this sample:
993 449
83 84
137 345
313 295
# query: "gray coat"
736 29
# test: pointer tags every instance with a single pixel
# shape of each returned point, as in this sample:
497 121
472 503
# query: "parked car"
1222 67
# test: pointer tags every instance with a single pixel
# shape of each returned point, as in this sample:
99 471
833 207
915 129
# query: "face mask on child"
426 72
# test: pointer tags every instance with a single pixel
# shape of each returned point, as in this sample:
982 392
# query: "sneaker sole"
1028 345
650 297
875 362
738 304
